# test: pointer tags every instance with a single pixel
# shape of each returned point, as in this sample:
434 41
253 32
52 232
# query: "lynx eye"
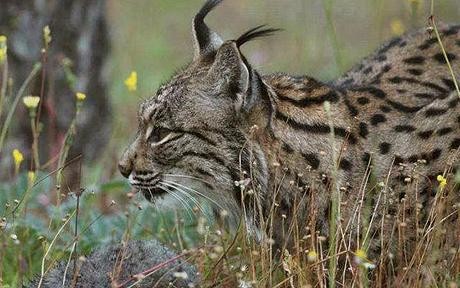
159 134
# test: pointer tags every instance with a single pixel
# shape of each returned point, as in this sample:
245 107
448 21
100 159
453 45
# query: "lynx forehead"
223 132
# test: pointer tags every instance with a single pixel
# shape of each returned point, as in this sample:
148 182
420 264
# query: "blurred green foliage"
36 222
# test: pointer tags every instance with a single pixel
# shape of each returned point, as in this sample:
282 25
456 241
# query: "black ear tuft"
205 39
254 33
207 7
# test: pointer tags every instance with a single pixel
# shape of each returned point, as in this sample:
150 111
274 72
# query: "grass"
37 229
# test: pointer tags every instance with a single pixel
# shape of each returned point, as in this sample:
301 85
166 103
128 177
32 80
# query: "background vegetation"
322 38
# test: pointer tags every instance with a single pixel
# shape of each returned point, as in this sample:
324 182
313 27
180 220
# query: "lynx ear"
242 82
205 40
234 75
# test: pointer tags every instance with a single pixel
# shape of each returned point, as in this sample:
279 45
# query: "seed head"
47 35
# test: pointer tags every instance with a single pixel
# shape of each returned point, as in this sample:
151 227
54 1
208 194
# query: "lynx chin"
265 149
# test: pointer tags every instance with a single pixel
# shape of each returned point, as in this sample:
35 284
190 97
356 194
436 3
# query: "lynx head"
194 138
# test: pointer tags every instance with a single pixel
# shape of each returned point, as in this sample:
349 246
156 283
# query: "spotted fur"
268 142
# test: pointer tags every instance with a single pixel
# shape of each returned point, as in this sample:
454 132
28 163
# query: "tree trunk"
80 42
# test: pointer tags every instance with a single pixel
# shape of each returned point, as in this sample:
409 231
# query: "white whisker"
194 191
186 206
188 177
150 192
192 198
199 179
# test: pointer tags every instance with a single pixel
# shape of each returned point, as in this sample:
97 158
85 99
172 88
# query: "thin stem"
35 133
42 86
334 220
444 53
63 156
76 232
42 274
74 246
156 268
4 85
327 4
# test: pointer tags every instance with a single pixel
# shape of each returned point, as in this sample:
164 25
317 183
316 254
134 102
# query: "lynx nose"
125 165
125 170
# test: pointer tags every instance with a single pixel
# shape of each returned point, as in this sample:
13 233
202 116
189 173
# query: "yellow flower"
18 158
442 181
31 102
397 27
131 81
312 256
80 96
31 178
3 48
47 35
360 256
361 259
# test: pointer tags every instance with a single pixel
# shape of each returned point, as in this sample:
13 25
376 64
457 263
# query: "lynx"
278 146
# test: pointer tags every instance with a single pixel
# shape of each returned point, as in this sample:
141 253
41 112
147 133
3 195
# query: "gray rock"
97 270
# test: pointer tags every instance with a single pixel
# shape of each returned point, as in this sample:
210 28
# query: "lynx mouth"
147 185
151 193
